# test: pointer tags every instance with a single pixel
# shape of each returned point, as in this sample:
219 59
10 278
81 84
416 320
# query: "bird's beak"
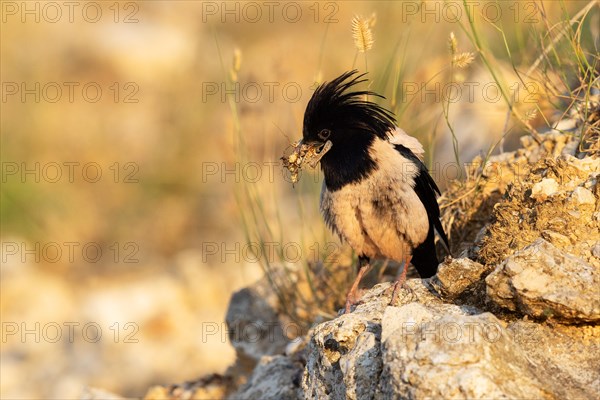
318 150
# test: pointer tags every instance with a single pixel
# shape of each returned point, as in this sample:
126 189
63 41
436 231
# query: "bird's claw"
352 299
396 289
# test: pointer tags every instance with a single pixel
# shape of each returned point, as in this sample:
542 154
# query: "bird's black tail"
424 257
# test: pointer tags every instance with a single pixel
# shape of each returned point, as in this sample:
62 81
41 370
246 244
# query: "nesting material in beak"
304 153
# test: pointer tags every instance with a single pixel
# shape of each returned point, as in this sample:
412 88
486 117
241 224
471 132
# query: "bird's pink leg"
400 280
351 299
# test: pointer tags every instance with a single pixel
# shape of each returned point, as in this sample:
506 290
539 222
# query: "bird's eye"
324 134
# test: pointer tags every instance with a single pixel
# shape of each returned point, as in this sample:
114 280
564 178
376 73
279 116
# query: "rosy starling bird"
377 194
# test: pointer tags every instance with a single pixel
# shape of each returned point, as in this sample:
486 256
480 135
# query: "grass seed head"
452 44
462 60
362 34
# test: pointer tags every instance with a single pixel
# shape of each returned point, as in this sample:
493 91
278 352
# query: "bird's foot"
348 308
396 290
398 284
354 294
352 299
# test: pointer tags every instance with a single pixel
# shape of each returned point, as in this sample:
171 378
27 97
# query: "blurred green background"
138 136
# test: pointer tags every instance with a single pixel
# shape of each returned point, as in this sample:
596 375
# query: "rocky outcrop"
452 354
518 319
461 279
542 281
515 316
425 348
275 377
254 325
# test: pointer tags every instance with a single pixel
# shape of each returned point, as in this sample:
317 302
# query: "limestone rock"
428 349
343 359
582 195
459 276
439 350
255 328
449 354
566 356
547 187
275 377
543 281
344 355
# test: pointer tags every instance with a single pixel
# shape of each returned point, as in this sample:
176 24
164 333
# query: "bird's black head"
350 122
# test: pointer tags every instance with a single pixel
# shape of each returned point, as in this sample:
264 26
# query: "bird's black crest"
333 104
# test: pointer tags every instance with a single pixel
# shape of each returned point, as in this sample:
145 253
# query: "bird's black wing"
424 256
